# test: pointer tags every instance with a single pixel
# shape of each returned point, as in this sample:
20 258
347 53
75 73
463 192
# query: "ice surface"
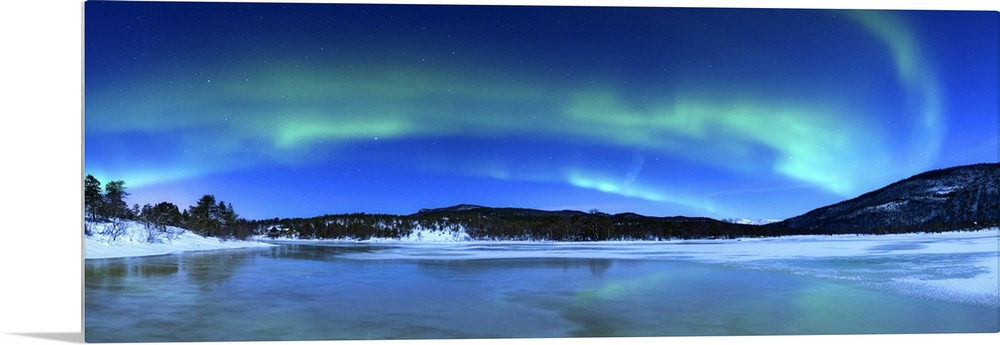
954 266
787 247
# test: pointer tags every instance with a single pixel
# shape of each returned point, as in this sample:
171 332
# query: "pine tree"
93 200
227 218
114 200
216 219
200 216
167 214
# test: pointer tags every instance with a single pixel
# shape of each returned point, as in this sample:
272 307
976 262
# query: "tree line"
510 224
207 217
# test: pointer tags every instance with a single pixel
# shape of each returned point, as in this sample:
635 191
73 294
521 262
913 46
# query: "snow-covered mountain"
955 198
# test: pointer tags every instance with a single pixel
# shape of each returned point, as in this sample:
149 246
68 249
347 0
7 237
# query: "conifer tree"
200 216
114 200
93 200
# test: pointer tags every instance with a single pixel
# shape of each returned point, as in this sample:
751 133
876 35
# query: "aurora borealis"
297 110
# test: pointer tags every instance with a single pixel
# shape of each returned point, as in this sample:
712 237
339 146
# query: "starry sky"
300 110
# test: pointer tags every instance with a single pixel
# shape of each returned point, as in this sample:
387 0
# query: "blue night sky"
300 110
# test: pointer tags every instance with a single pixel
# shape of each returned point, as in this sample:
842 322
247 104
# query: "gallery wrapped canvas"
323 171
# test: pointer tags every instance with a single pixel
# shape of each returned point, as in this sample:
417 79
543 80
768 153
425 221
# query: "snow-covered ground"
745 221
420 235
714 250
134 241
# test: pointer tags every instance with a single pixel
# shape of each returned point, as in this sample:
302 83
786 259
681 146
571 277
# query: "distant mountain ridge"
515 212
476 222
957 198
953 198
496 211
459 207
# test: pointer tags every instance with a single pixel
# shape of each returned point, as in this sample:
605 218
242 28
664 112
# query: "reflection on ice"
596 266
346 290
955 266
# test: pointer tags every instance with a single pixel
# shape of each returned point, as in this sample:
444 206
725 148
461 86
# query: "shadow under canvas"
69 337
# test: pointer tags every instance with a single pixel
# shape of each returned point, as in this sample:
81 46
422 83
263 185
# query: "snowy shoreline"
727 250
134 241
968 259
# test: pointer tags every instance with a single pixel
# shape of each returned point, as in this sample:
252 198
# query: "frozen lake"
392 290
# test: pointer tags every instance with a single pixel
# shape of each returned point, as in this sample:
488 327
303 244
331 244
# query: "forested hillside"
486 223
960 197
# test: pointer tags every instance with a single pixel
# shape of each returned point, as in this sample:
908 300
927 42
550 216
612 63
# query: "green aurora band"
291 112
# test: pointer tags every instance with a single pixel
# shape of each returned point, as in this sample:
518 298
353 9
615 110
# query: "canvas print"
323 171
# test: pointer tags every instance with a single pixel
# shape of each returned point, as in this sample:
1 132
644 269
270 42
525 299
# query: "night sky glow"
299 110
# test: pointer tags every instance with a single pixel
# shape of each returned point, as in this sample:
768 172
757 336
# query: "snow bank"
135 240
708 250
811 246
718 250
419 235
